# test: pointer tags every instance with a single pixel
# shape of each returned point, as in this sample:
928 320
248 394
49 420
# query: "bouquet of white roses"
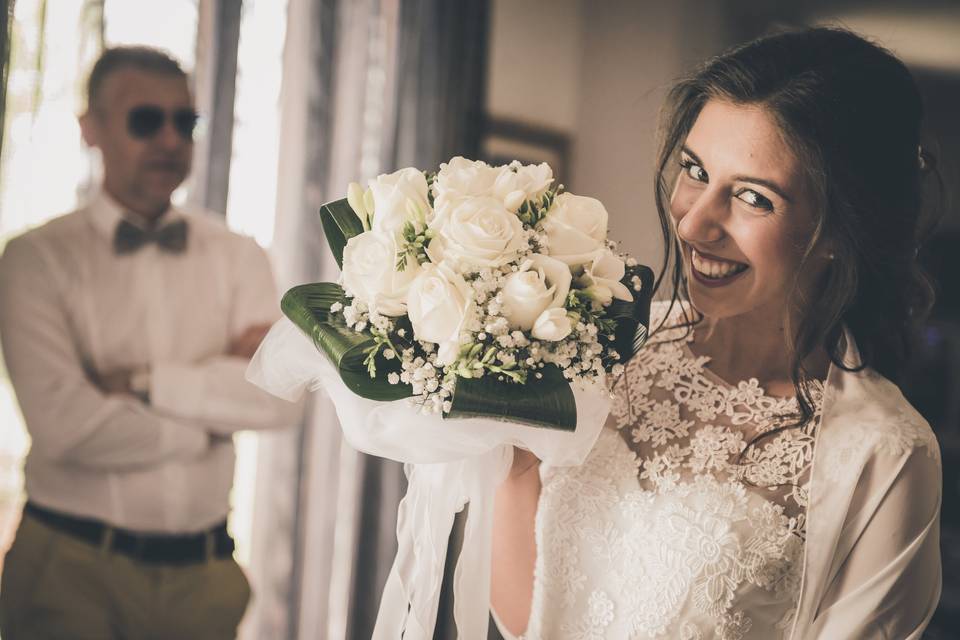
479 293
477 290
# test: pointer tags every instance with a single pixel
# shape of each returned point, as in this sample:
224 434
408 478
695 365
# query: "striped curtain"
369 86
6 28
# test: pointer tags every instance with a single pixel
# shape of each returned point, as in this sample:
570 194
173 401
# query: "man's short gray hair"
129 57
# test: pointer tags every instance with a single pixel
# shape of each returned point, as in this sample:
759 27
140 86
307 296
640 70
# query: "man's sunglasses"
146 121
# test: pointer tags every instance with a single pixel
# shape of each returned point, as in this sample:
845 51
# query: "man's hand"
245 345
113 381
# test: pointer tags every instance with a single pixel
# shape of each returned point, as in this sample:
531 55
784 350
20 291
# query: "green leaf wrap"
308 307
632 318
340 223
546 402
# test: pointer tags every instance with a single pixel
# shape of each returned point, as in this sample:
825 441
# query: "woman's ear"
825 250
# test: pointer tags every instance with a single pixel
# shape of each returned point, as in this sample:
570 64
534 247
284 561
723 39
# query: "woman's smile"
714 271
741 195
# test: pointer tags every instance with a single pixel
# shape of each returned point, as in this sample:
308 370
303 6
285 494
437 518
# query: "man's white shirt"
70 305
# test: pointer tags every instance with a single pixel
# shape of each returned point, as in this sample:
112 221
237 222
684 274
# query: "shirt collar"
105 213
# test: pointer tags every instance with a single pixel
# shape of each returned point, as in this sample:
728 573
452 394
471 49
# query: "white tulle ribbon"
449 463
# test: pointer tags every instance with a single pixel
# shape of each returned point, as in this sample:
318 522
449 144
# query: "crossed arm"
121 380
91 419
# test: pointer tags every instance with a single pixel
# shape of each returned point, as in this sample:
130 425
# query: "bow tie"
171 238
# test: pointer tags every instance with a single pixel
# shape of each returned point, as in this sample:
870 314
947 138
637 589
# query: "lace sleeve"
889 576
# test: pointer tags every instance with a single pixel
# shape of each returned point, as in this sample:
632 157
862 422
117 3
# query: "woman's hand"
514 544
523 462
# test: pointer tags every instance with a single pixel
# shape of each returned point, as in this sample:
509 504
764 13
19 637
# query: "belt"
149 548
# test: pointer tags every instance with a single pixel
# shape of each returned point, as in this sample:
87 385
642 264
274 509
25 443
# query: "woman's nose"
701 219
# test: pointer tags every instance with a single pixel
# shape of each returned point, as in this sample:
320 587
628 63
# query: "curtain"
215 77
440 81
298 470
6 28
368 86
434 112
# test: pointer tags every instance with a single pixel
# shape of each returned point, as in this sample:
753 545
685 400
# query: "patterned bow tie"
129 237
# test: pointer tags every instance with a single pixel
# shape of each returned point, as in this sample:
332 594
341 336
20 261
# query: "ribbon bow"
171 238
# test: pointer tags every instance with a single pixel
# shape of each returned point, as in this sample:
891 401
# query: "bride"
760 475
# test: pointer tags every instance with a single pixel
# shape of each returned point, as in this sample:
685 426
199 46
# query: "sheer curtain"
215 78
6 22
441 61
369 86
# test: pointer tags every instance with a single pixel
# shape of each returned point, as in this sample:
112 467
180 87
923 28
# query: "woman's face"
743 214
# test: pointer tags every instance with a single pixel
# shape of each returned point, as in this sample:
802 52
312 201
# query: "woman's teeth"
716 269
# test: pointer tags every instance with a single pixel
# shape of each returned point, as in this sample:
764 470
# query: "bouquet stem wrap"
449 463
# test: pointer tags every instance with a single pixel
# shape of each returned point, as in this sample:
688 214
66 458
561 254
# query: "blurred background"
299 97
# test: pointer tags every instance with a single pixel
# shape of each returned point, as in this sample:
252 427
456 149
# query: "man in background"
126 327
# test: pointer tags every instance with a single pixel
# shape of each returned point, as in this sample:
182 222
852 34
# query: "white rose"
553 325
522 182
601 280
370 275
439 303
461 178
398 198
541 283
576 228
476 233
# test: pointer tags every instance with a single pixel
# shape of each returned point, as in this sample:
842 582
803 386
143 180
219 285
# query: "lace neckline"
786 402
684 421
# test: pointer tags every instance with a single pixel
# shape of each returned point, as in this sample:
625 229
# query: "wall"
632 52
534 65
599 71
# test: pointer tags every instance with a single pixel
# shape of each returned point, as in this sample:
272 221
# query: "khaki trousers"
56 586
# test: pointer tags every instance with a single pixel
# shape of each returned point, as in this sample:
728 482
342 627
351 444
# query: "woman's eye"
755 200
693 170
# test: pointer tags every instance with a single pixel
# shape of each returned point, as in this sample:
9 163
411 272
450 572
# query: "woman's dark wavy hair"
852 114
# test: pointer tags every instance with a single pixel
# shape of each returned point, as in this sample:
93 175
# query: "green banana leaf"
632 318
308 307
546 402
340 223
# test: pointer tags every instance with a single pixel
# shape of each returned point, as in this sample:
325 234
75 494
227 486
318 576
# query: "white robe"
872 559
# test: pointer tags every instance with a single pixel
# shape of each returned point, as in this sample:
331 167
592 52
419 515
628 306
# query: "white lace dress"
654 534
663 532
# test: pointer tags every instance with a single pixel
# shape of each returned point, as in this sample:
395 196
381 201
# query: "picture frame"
504 140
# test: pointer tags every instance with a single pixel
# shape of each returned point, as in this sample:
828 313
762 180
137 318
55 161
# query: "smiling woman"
761 476
796 219
744 216
816 159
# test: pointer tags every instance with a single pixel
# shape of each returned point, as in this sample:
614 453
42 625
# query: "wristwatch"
140 384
